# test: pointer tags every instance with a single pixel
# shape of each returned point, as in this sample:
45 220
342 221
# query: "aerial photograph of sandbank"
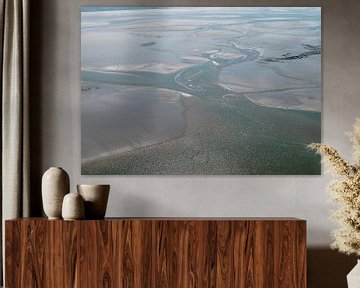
200 90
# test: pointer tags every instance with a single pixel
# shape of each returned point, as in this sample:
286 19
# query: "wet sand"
116 119
235 137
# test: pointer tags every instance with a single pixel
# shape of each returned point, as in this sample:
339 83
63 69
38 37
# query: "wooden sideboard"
156 252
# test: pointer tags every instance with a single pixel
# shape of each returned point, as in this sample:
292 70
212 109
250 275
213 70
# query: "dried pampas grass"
345 191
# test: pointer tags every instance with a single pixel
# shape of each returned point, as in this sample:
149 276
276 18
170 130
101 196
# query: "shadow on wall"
328 268
37 39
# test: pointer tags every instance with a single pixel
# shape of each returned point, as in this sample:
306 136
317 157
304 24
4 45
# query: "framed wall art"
200 90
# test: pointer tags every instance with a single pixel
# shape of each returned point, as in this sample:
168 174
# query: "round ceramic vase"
73 207
55 185
96 198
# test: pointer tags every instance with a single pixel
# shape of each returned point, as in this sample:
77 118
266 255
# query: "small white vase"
73 207
96 198
353 278
55 185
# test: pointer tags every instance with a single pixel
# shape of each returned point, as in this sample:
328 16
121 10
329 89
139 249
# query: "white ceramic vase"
353 278
96 198
55 185
73 207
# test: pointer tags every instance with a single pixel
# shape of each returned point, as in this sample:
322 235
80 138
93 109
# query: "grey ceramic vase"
73 207
55 185
96 198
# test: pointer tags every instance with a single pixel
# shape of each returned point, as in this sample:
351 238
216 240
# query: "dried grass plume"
345 192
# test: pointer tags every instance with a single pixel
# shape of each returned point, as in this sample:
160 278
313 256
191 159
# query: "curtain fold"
14 30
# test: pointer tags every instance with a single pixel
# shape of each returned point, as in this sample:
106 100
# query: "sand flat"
116 119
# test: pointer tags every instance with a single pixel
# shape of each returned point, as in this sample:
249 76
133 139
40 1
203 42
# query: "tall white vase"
55 185
353 278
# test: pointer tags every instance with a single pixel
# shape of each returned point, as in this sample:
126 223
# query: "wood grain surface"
157 253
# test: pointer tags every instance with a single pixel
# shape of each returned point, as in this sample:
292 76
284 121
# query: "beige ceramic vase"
55 185
73 207
96 198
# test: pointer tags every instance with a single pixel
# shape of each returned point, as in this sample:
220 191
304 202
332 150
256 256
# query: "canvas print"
200 90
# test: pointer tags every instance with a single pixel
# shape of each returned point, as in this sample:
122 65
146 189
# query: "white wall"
55 93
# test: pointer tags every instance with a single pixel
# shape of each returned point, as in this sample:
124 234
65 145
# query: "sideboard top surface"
175 219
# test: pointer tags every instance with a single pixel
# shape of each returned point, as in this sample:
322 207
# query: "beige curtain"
14 27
